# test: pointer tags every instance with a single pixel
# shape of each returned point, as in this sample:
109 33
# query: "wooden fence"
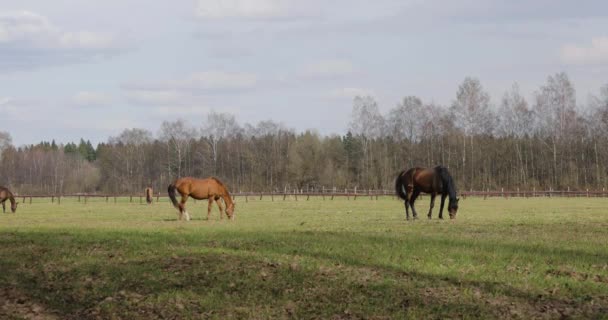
297 195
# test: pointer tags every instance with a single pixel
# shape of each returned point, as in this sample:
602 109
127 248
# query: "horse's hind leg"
183 213
432 204
412 200
209 207
407 211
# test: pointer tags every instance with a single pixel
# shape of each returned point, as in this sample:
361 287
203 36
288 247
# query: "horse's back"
200 188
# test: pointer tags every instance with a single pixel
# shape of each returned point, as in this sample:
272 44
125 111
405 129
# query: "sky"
72 69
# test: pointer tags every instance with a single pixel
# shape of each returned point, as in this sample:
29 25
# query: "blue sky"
74 68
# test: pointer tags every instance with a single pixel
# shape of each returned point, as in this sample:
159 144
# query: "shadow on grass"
88 275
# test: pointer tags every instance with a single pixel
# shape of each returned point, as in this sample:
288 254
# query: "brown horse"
149 195
6 194
211 188
433 181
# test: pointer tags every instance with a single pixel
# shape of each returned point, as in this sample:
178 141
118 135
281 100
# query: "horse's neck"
11 199
451 190
227 198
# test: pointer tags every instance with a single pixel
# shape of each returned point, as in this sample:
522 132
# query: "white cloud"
595 53
91 99
156 97
32 30
257 9
328 69
182 111
29 40
210 81
350 93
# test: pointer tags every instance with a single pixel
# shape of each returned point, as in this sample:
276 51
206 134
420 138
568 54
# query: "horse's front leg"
441 207
407 210
432 204
219 205
4 206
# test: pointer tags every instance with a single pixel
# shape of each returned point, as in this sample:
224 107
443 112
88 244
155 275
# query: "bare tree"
5 142
218 127
406 120
555 108
178 138
368 123
474 116
516 121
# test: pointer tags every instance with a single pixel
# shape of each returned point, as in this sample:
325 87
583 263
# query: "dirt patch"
15 305
579 276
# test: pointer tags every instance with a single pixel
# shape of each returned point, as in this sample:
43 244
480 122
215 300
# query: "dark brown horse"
411 183
149 195
6 194
211 188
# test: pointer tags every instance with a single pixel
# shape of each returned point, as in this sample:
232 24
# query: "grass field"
515 258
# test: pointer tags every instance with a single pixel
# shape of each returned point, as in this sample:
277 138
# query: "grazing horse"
6 194
200 189
433 181
149 195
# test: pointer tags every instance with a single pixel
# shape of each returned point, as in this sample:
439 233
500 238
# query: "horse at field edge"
200 189
149 195
6 194
409 184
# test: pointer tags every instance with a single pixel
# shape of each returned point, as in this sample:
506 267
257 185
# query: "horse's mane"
447 181
8 192
221 184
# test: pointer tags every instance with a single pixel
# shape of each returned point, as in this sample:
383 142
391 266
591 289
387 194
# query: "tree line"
548 142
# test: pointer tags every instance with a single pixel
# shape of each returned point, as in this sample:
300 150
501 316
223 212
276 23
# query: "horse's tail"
400 186
171 191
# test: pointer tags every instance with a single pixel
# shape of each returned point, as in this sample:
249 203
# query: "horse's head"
230 210
14 206
453 208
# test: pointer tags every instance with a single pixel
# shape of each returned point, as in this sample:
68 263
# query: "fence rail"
327 194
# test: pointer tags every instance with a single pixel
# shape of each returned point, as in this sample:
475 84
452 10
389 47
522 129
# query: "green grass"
340 259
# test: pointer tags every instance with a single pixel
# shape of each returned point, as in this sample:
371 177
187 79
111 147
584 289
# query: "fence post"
52 199
355 193
86 199
58 200
107 199
130 198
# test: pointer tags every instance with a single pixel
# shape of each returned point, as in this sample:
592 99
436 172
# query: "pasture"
340 259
